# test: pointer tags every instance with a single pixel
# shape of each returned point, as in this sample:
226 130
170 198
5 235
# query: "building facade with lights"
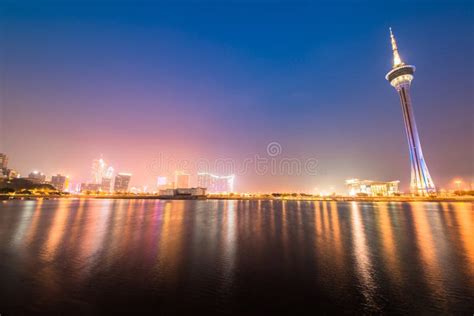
101 170
37 177
183 193
358 187
3 161
163 184
216 184
60 182
122 181
400 78
181 180
4 171
105 184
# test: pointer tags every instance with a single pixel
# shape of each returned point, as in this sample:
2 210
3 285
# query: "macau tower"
400 77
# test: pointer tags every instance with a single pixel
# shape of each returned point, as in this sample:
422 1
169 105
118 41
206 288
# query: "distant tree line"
464 192
25 186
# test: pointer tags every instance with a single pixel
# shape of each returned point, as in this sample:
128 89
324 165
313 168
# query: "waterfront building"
400 78
358 187
181 180
183 192
122 181
166 192
190 191
37 177
60 182
216 184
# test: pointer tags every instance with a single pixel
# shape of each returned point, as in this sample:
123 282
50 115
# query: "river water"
235 257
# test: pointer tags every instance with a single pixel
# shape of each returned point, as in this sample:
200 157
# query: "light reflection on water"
95 256
364 268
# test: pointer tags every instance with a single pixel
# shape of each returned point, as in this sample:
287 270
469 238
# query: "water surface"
241 257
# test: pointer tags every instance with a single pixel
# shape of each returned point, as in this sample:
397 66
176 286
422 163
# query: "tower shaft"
421 182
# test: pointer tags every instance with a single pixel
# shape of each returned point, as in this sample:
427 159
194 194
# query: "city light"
458 183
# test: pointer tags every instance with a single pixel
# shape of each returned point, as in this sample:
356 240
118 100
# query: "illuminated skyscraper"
122 180
60 182
3 165
162 183
181 180
3 161
400 78
216 184
105 184
98 169
204 180
102 174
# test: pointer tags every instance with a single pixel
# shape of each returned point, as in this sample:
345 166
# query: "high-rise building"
224 184
400 78
162 183
10 173
105 184
60 182
122 181
37 177
216 184
204 180
101 170
98 170
372 188
3 161
181 180
4 171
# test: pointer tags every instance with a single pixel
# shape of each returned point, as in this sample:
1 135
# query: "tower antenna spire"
397 61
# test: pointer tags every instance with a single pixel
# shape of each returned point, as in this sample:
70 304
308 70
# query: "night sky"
188 80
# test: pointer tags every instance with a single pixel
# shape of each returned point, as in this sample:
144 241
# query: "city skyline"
237 95
104 180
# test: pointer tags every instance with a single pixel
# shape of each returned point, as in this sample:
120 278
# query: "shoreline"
263 198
